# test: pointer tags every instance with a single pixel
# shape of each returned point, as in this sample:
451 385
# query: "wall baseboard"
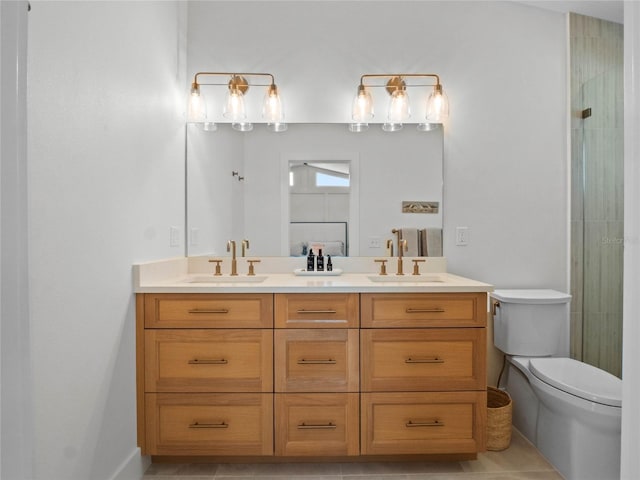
133 467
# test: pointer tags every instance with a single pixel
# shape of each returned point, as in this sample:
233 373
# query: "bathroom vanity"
286 366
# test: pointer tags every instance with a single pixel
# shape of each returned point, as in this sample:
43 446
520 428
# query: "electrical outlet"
374 242
194 236
174 236
462 236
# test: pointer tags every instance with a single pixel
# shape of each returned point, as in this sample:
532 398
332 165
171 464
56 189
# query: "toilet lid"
531 296
580 379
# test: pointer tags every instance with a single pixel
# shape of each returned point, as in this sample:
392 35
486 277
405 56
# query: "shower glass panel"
598 235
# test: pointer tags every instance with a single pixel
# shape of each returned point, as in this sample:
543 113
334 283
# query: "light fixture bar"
437 106
233 74
238 85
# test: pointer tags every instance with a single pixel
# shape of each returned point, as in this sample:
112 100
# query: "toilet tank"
531 323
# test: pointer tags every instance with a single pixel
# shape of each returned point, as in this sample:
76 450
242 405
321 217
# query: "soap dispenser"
320 261
329 264
311 261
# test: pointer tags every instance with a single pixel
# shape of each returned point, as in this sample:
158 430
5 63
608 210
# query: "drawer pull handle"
435 423
424 360
221 361
209 310
316 426
425 310
209 425
304 361
303 311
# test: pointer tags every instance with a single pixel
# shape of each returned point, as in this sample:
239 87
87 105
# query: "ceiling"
611 10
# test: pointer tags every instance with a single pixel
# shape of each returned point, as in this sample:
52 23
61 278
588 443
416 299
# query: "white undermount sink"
408 278
225 279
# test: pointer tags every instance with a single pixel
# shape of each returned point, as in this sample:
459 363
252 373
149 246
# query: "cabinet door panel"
316 360
321 310
208 310
209 360
402 310
417 423
423 360
317 424
209 424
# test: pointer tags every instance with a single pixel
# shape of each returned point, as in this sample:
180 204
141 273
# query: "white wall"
504 68
106 176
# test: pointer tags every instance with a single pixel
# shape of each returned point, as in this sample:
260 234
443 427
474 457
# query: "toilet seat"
579 379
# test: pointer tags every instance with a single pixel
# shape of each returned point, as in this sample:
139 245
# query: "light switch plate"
462 236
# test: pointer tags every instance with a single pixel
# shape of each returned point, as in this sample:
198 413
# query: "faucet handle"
383 265
251 262
217 262
416 268
245 246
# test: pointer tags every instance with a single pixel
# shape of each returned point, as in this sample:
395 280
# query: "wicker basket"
499 409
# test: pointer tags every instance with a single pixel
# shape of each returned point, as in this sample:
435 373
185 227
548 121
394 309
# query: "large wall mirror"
315 184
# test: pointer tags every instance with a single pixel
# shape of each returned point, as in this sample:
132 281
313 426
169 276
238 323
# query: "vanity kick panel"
296 374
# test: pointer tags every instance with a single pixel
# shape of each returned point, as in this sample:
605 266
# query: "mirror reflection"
315 184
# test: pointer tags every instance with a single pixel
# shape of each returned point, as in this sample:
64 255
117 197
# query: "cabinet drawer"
423 310
418 423
316 360
317 310
318 424
202 310
209 424
423 360
208 360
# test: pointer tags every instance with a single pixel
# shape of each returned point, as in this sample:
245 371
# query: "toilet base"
581 439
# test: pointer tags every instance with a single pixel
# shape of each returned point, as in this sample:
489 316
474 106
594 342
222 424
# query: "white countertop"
195 275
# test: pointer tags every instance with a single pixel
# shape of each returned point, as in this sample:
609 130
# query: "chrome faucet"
402 247
245 246
231 247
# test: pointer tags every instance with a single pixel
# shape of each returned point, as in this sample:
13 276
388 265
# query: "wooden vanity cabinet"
205 374
311 375
423 371
317 376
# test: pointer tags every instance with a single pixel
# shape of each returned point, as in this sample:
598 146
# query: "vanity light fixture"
234 109
437 107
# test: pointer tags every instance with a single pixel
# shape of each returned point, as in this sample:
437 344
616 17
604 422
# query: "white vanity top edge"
189 275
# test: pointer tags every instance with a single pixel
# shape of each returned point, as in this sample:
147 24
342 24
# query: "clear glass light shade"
362 109
428 127
358 127
277 127
242 126
197 110
234 108
272 110
399 107
391 127
437 106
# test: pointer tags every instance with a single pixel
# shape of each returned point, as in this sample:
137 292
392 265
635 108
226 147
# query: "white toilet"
568 409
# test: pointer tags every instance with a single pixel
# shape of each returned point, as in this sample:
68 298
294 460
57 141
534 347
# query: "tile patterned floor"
521 461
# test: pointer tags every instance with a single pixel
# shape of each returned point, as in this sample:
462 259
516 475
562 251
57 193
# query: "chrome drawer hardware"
316 311
435 423
329 361
221 361
312 426
425 310
424 360
209 310
209 425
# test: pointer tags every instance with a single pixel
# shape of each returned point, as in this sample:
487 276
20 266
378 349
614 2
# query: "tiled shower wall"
597 237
